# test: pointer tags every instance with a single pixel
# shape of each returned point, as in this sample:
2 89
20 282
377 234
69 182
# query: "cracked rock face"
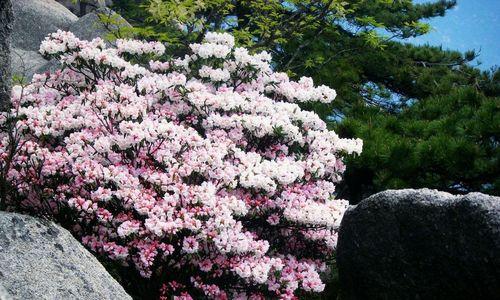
40 260
421 244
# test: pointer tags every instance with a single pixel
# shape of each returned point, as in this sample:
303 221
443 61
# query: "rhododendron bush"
202 172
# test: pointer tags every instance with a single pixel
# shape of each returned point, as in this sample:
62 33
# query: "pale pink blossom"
203 165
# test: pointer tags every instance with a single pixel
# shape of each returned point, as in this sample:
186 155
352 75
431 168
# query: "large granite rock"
95 24
40 260
421 244
35 19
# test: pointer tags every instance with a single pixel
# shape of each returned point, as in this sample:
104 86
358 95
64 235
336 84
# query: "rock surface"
40 260
26 63
421 244
82 7
92 25
35 19
4 295
6 18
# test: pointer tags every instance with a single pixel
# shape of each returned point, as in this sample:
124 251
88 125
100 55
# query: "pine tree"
447 142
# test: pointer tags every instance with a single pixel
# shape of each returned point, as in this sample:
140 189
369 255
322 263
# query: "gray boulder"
26 63
35 19
95 24
421 244
40 260
82 7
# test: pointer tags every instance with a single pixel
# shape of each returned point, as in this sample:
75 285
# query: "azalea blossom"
204 166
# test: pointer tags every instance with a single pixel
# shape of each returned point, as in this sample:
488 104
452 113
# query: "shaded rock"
6 18
421 244
95 24
82 7
26 63
40 260
35 19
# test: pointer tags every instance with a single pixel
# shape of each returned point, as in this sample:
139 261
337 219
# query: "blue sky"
472 24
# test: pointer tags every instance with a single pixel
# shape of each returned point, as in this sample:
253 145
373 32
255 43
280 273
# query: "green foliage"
427 117
447 142
115 25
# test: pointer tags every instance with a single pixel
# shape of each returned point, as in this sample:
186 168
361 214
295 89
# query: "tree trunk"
6 23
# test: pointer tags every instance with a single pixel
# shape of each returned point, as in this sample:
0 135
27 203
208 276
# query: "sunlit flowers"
202 166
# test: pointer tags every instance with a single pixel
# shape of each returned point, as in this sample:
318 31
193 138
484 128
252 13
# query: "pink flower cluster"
199 171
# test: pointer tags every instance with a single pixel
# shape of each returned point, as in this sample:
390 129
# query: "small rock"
40 260
421 244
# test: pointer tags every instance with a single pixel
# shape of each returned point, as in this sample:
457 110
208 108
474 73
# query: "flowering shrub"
201 172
